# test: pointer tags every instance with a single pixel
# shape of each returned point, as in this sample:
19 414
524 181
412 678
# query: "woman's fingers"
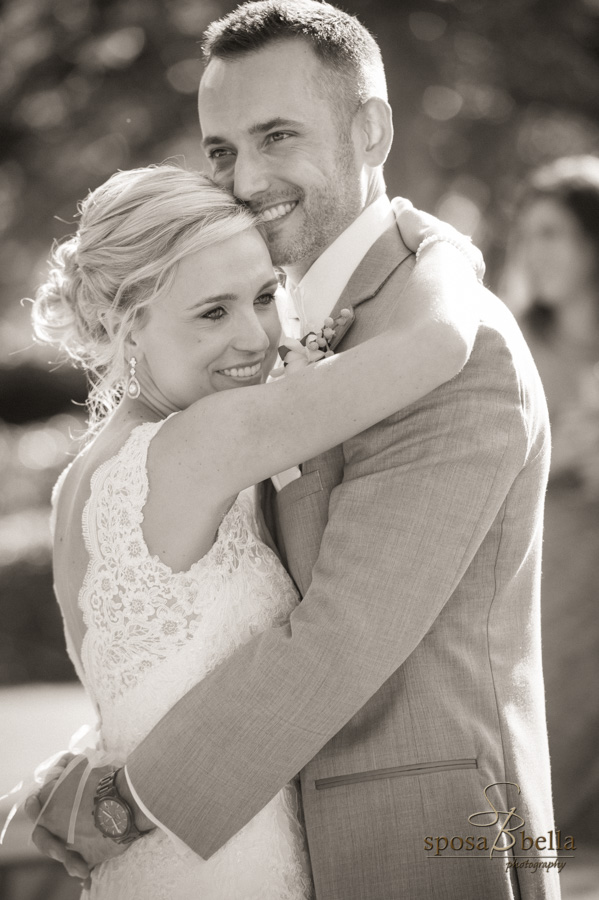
413 224
416 226
32 807
53 847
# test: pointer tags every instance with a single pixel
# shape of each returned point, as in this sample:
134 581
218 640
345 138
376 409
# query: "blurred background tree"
482 92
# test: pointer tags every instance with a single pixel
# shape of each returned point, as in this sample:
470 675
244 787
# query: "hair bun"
55 314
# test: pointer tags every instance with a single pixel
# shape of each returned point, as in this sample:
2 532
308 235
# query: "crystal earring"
133 388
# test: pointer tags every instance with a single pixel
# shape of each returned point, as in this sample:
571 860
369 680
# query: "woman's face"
216 329
558 257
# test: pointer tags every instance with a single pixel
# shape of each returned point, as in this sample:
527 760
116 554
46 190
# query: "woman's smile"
217 327
242 372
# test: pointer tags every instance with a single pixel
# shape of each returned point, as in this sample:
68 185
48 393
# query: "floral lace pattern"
151 635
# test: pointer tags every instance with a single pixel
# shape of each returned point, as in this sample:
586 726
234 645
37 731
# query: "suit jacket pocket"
443 765
300 488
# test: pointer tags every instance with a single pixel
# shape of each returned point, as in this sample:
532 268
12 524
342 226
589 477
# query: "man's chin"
285 251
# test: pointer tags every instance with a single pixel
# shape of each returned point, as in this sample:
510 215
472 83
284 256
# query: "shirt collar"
318 291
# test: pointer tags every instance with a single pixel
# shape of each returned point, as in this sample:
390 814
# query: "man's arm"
420 491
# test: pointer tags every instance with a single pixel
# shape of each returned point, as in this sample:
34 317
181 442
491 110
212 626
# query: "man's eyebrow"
278 122
258 128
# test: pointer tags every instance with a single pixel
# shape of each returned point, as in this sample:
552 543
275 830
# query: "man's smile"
277 212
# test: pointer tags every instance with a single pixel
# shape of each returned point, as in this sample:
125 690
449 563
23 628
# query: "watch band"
107 790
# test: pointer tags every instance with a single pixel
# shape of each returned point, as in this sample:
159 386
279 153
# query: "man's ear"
373 130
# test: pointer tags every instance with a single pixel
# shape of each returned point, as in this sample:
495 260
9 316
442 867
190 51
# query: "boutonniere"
317 344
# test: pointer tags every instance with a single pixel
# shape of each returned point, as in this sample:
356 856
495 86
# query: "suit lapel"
297 516
371 275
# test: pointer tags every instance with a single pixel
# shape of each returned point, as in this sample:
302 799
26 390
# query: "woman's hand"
416 227
90 847
46 842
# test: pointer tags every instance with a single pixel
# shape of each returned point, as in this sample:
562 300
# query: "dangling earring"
133 388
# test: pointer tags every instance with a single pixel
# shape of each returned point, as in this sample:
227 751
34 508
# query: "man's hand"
90 846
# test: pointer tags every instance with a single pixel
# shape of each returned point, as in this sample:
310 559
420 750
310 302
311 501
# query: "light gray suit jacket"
409 678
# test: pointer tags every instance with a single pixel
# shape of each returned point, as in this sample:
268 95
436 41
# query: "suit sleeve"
419 493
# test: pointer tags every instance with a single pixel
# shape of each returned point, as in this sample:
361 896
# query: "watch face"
112 818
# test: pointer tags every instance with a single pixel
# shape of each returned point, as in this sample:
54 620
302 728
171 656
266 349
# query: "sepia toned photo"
299 443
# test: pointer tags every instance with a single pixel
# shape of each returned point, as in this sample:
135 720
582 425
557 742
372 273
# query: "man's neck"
296 271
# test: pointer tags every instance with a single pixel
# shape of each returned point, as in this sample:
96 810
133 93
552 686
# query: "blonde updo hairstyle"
133 230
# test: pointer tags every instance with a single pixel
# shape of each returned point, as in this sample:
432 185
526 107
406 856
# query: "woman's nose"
251 335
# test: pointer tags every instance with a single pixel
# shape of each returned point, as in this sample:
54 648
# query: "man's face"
272 137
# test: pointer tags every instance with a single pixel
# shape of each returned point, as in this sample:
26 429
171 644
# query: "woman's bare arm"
235 438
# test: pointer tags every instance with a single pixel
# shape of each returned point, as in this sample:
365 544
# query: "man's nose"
250 177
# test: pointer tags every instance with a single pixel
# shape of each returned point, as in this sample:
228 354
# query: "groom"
408 688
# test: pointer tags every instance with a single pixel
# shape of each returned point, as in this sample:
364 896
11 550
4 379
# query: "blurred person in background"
553 280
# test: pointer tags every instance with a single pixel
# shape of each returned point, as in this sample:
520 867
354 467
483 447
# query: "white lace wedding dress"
151 635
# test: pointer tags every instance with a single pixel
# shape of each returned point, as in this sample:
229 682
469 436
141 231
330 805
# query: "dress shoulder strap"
118 493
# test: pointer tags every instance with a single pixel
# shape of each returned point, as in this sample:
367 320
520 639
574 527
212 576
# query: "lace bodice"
151 635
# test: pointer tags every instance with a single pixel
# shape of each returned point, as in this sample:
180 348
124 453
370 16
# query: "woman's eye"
217 313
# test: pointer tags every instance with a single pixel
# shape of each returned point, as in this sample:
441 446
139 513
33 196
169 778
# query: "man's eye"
217 313
265 299
219 153
279 136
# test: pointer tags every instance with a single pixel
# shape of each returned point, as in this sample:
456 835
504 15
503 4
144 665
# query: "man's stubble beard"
326 214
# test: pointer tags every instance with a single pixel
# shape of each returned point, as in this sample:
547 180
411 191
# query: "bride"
166 295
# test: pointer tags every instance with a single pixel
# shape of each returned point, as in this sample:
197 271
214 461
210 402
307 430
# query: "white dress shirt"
316 294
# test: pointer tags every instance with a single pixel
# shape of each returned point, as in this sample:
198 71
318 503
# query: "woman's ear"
131 345
132 342
373 126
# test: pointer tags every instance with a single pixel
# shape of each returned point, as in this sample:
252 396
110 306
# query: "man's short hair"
338 39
